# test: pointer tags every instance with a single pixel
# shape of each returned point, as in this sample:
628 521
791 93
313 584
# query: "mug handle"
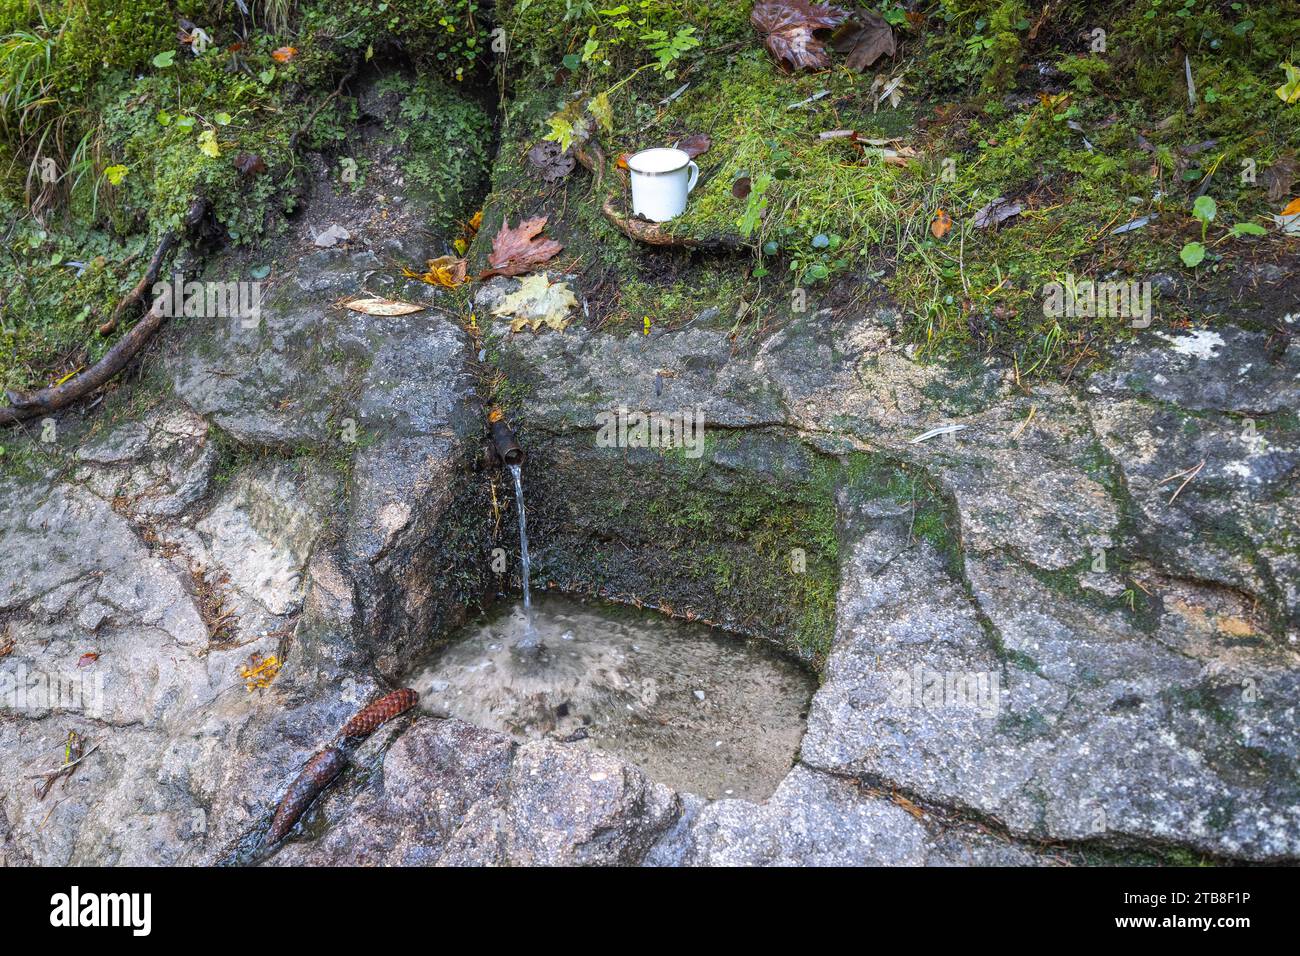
695 175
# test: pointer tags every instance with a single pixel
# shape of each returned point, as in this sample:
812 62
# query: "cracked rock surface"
1103 656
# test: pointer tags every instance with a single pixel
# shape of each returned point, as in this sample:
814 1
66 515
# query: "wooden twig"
311 117
654 234
51 777
43 401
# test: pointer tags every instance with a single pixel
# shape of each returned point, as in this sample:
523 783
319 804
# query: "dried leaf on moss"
891 90
250 164
696 145
997 212
1280 176
791 28
520 249
551 160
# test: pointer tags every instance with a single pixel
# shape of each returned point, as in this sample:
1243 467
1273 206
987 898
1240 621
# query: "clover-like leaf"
1192 254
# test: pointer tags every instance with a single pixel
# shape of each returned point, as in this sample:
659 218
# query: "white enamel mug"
661 180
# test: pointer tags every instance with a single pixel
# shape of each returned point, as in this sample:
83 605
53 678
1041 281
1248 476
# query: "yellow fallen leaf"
374 305
538 302
258 672
445 271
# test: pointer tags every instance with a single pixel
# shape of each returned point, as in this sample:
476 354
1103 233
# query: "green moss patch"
747 536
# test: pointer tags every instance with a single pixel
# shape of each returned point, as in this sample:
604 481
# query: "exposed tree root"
654 234
144 285
46 400
115 359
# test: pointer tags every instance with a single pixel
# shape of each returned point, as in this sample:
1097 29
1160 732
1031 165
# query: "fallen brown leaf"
374 305
1280 176
520 249
790 29
551 161
695 145
250 164
997 212
865 37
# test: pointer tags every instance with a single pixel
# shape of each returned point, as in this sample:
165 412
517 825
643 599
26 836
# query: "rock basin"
699 710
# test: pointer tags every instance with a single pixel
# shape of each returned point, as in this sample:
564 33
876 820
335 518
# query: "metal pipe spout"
503 439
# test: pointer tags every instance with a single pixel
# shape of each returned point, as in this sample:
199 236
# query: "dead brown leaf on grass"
1279 177
941 224
865 37
790 29
520 249
696 145
997 212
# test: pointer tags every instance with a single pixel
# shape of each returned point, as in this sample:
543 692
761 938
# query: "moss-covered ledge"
746 536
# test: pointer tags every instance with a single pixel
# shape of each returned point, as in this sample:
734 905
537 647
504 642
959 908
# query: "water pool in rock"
696 709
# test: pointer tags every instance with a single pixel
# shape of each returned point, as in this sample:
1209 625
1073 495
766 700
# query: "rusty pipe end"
503 439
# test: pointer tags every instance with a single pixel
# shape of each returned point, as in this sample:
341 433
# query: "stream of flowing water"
529 637
697 709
